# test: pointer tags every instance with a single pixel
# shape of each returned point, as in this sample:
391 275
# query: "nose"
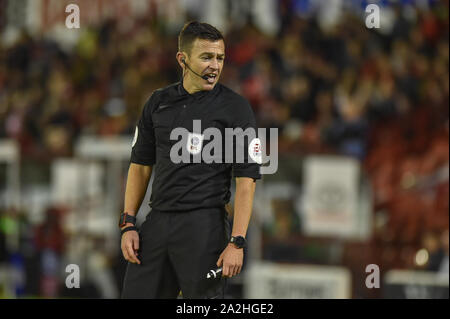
214 64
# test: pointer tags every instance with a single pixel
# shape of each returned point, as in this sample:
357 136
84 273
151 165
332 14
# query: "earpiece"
204 77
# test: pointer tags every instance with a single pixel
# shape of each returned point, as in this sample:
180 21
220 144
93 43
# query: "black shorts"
176 251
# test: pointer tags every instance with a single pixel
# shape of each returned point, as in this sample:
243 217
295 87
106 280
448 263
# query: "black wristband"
128 229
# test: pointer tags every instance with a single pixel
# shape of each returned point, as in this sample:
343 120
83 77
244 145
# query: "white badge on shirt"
254 150
194 143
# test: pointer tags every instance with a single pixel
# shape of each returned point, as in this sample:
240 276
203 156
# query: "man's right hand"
130 246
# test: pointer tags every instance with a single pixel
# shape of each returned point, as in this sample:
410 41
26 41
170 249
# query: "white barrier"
404 284
265 280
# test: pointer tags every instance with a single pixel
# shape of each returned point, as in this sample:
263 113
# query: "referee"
186 232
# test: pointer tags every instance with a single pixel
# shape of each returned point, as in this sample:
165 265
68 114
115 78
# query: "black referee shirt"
189 186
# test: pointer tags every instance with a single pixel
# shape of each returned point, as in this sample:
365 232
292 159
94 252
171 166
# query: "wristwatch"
238 241
126 218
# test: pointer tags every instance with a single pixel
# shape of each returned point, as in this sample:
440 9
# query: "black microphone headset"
204 77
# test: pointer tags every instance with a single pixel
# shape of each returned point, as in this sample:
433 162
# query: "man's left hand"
231 260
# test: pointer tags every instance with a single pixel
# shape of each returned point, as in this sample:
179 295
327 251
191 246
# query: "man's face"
206 58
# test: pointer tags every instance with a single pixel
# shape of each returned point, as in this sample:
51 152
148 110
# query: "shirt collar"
197 95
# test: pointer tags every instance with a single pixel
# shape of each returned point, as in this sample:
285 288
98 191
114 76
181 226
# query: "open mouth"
211 77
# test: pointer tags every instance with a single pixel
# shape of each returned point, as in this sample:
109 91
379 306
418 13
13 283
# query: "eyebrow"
211 54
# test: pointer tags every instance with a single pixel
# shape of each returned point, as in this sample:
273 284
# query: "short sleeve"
245 119
143 150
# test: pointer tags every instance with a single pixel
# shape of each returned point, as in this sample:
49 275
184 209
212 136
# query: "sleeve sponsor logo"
254 150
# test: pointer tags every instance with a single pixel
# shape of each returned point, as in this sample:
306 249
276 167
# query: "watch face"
239 241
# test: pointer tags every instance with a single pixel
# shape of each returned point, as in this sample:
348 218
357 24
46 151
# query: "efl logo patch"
254 150
194 143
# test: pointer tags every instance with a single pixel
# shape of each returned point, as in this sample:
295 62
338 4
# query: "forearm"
243 204
137 183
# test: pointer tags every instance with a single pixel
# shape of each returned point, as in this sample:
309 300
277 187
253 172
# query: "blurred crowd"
34 259
379 97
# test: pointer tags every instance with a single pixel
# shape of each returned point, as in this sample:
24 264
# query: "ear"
181 59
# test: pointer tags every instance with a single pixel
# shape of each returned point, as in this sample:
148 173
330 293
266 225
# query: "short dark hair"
196 30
